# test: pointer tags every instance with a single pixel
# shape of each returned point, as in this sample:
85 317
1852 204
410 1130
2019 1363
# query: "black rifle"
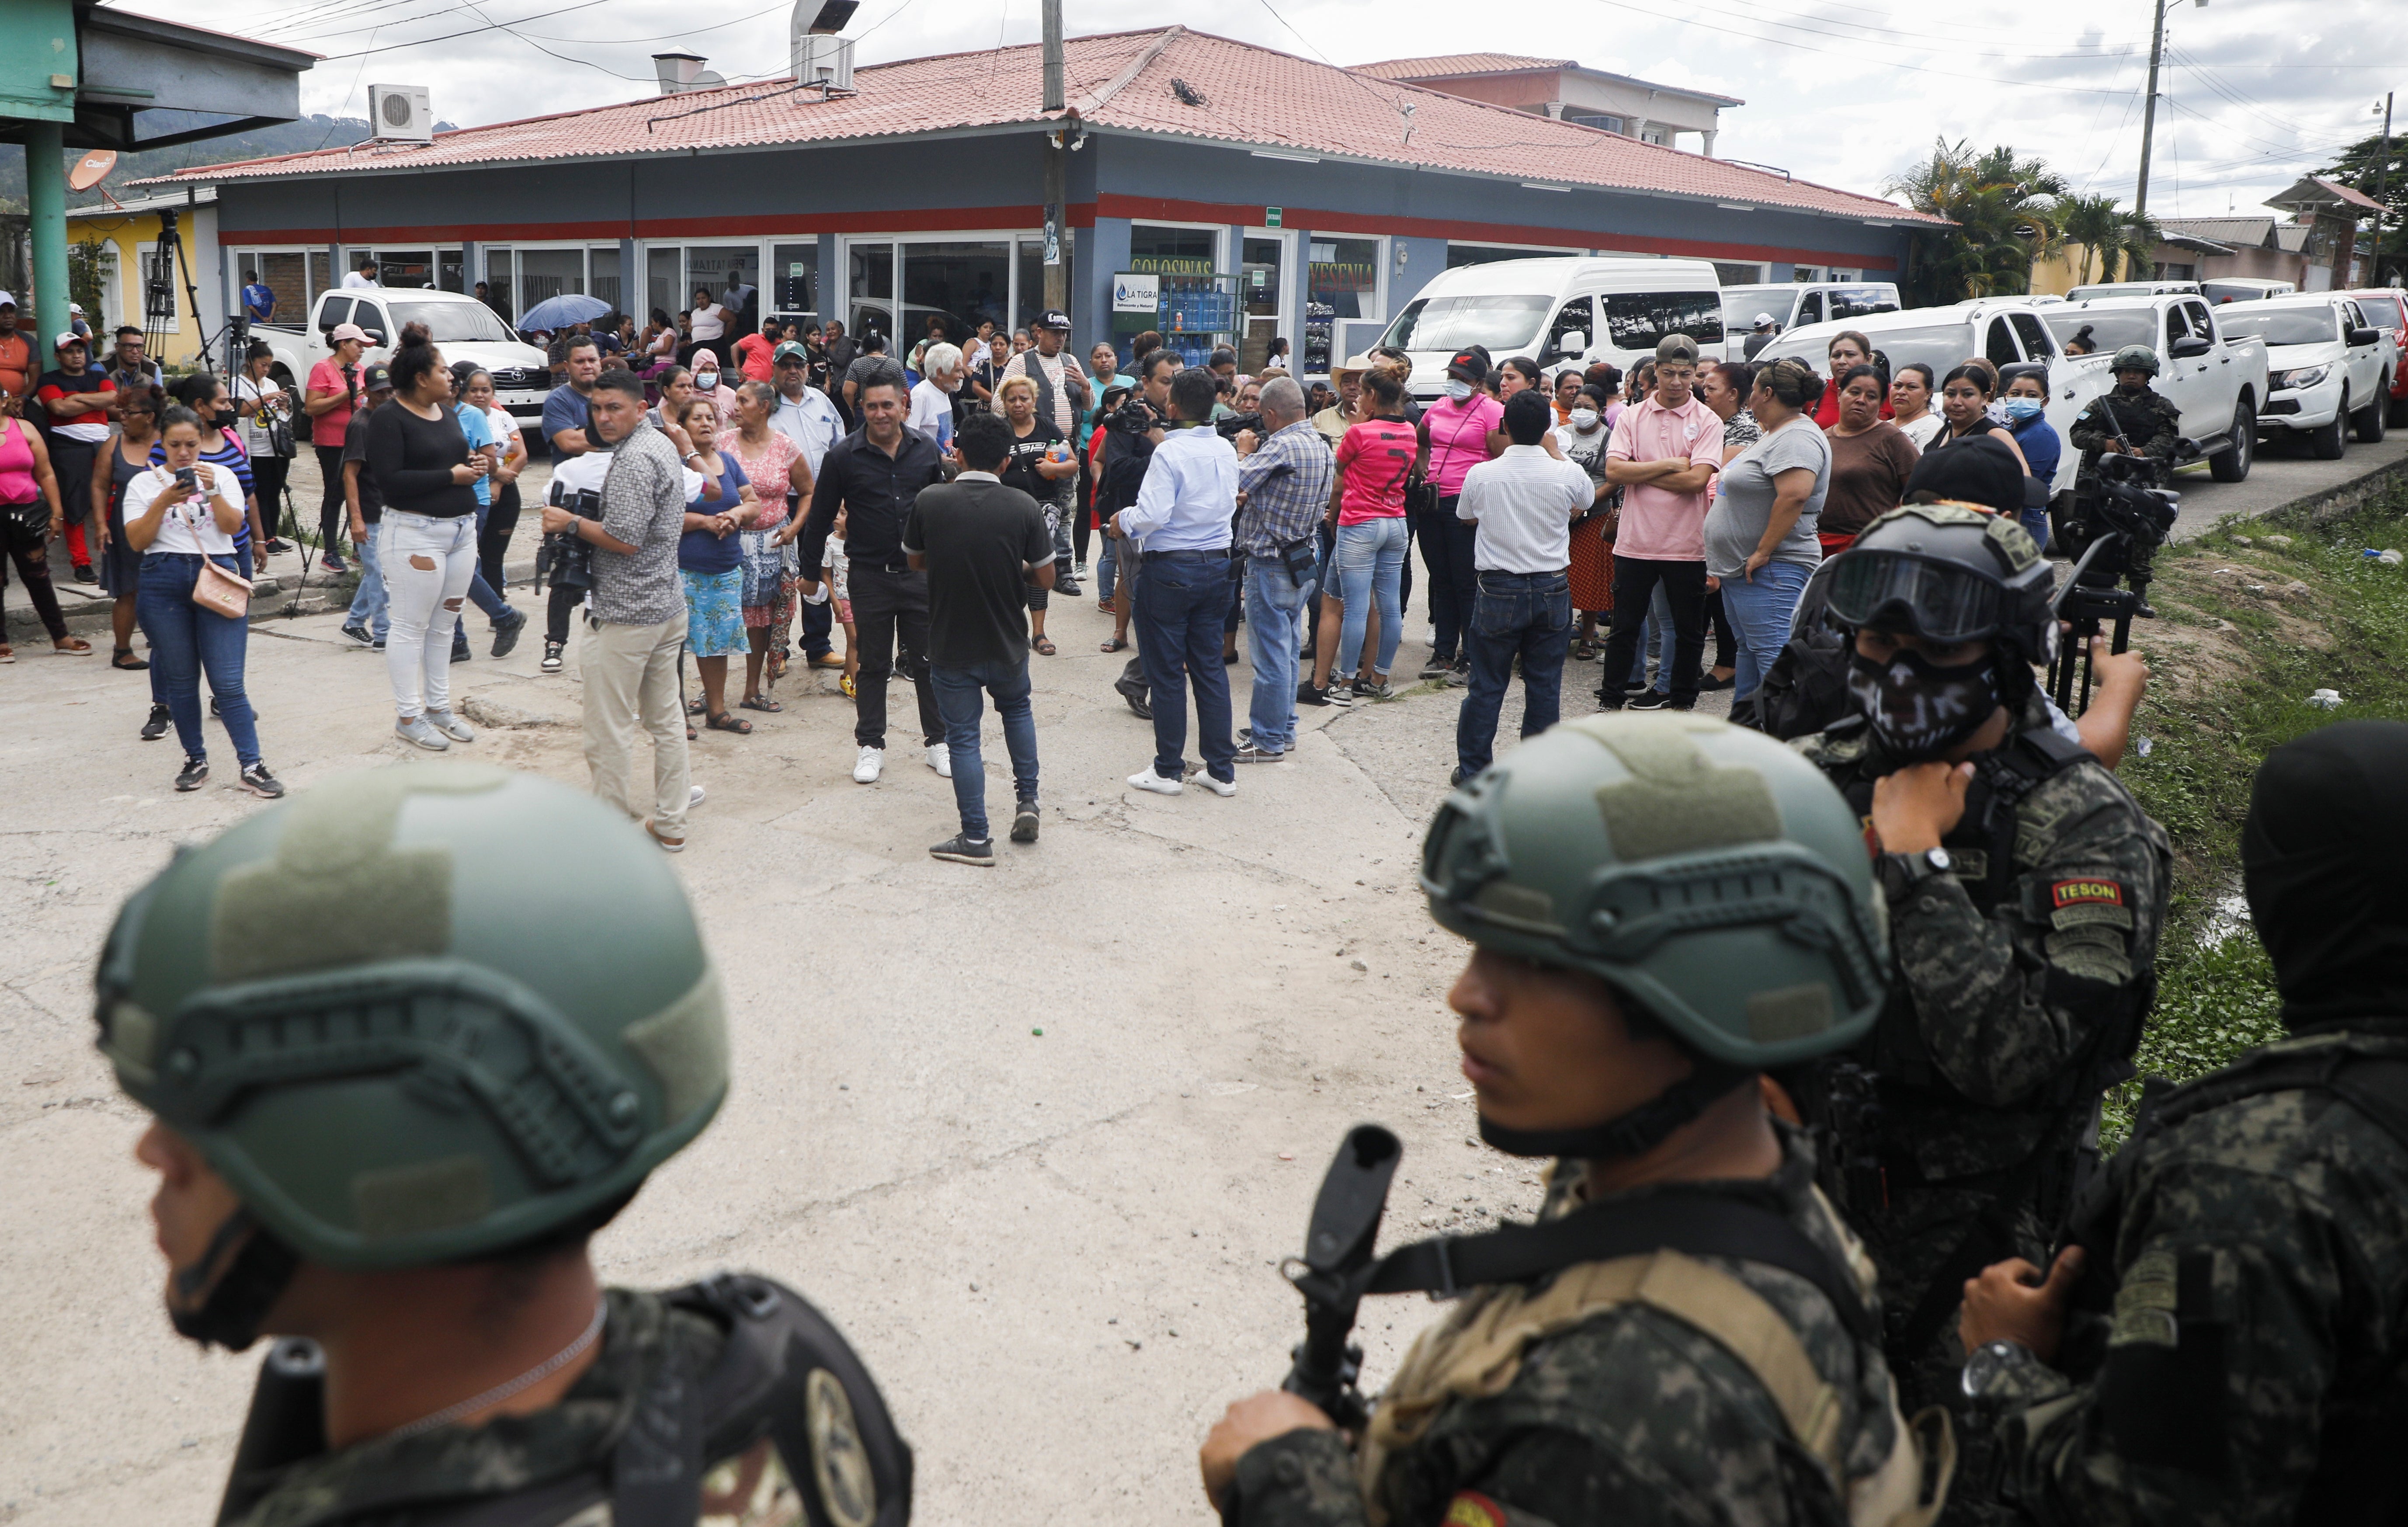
2114 531
1337 1252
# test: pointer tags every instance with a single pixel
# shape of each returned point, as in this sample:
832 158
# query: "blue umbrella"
555 313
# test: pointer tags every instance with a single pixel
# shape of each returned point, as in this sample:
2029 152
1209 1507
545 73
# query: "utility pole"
2382 177
1058 168
2149 109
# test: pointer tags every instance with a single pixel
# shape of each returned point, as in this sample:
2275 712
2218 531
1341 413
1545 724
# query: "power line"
1864 37
489 26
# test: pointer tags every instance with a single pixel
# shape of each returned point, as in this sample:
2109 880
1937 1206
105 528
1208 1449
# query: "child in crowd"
840 589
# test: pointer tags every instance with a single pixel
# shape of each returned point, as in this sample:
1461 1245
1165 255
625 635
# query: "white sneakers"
866 767
1224 789
941 759
450 726
1146 779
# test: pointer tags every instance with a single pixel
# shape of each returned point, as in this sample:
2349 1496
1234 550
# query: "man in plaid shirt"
1284 492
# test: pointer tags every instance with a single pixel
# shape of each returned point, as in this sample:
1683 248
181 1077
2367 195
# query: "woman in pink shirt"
1375 459
333 392
1457 432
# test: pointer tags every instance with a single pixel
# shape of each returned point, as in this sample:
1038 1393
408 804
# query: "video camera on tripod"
2114 533
565 559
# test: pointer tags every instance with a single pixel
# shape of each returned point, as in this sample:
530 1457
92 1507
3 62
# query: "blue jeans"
371 608
187 641
958 701
481 593
1275 625
1370 562
1759 612
2035 521
1107 569
1179 636
1525 613
1655 635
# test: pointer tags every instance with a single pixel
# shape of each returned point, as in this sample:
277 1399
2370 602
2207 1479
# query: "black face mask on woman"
1918 709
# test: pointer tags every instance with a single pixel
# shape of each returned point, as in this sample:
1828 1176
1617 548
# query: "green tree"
2003 215
2356 168
84 262
2116 240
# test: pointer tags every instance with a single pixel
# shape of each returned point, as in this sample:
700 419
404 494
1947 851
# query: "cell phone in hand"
186 478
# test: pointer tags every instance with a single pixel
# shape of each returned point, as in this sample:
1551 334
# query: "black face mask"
2320 857
1918 709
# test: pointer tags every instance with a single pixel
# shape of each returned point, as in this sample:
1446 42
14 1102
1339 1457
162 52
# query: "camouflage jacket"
1631 1417
2023 972
2152 426
2259 1323
554 1457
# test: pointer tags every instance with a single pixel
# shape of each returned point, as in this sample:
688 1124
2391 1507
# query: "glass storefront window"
869 290
604 283
1259 284
952 285
405 267
450 275
548 272
794 280
1173 252
500 286
321 271
1032 283
717 266
662 276
1342 281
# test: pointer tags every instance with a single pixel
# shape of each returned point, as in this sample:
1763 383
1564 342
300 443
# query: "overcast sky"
2254 92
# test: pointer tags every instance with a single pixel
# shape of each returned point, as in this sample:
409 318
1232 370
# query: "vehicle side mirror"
2364 336
2188 346
1572 343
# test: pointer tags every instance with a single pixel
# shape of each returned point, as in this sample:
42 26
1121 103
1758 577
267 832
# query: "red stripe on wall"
915 220
1113 205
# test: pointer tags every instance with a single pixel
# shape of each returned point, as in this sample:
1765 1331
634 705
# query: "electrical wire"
1862 37
474 31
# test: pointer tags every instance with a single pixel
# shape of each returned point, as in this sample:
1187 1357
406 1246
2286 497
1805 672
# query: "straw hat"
1354 368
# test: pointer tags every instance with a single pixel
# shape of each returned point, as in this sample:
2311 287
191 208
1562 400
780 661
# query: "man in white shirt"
1180 530
365 275
1061 385
932 396
1524 502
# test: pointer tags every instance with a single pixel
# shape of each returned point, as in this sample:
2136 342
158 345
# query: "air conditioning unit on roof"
400 112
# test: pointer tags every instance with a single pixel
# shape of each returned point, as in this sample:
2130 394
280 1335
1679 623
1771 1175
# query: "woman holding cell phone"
183 517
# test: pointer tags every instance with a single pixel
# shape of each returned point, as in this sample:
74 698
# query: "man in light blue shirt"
258 300
1180 530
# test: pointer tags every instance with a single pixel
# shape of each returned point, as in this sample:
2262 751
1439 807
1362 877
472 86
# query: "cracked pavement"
1025 1234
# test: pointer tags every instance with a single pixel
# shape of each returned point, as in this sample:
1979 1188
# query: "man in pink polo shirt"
1664 454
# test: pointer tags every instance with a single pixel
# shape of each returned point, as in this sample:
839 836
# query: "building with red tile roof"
1299 198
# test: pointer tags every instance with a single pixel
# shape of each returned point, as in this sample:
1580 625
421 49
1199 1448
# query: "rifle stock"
1337 1252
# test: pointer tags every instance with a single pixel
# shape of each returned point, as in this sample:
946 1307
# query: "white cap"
76 308
1762 319
7 299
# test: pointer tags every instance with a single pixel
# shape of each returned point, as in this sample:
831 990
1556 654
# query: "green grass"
2216 996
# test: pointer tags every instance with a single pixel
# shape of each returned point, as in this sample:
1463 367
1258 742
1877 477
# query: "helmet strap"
245 1271
1636 1133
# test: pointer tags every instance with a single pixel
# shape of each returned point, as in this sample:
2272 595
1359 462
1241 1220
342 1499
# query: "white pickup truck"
2332 370
461 327
2213 370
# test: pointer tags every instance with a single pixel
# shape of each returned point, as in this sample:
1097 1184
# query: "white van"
1788 304
1556 311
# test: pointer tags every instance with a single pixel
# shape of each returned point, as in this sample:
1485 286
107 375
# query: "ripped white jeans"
427 564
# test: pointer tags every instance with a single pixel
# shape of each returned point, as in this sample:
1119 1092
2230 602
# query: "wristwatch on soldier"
1901 874
1992 1369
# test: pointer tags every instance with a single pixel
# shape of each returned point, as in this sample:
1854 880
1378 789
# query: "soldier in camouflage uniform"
2024 891
1651 1375
2135 419
409 1039
2239 1356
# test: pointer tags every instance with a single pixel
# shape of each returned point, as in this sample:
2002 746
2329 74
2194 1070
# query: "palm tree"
2108 234
2004 212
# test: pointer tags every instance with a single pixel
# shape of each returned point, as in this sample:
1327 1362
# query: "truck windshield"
2280 326
1505 324
2110 329
449 323
1741 304
1941 347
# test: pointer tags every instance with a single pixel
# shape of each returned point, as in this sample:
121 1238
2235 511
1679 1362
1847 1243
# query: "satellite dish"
92 170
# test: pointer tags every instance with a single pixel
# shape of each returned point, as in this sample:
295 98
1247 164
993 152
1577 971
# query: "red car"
2386 307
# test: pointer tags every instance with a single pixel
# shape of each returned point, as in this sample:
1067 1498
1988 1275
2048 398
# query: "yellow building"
127 232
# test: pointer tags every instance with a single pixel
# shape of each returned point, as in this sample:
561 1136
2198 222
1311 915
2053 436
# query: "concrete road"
2284 473
1057 1249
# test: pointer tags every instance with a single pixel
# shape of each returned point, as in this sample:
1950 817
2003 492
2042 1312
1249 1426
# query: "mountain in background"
314 132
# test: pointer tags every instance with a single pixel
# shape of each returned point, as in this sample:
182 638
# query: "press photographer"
636 620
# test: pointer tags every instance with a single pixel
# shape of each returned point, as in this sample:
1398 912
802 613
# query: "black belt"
1218 554
879 567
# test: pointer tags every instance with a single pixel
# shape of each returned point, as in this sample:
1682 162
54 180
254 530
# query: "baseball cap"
1676 348
1981 470
1052 318
7 299
375 377
790 351
1764 321
70 337
76 308
1468 365
347 331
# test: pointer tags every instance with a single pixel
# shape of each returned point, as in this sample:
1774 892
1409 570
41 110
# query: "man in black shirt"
981 545
874 474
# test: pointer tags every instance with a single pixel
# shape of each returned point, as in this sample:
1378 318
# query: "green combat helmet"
1712 877
418 1015
2134 358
